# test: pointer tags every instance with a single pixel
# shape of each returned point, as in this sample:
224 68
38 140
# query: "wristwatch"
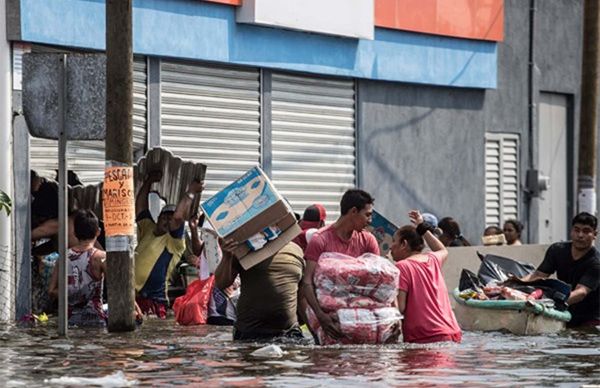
190 195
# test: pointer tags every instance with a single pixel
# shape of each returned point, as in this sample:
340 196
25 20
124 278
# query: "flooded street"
164 354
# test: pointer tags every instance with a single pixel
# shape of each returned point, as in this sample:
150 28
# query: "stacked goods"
496 292
359 292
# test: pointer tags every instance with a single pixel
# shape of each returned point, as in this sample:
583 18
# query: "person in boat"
268 302
347 236
512 231
86 267
576 262
422 294
160 245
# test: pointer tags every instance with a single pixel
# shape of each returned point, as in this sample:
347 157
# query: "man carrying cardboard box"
347 236
251 212
268 301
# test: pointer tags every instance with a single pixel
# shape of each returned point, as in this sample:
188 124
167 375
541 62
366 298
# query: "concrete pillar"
6 175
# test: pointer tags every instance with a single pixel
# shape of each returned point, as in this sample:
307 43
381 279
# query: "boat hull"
518 322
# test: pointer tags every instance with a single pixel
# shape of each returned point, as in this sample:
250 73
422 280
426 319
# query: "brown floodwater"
160 353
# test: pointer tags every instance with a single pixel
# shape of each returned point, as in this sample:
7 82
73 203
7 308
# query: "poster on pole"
118 198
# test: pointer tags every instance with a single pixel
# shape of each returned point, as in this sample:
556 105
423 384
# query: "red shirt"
301 240
428 316
327 240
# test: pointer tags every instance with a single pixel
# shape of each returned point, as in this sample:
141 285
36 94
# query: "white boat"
517 317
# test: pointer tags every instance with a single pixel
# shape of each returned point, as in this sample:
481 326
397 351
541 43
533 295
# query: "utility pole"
586 198
119 107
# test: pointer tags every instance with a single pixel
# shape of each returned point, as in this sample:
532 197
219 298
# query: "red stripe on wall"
230 2
471 19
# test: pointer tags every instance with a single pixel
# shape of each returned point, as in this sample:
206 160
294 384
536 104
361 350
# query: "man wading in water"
347 236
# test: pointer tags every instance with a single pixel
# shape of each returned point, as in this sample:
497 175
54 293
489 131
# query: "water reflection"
161 353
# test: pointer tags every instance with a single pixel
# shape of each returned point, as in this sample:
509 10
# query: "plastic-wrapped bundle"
334 303
315 327
360 291
387 318
340 278
359 326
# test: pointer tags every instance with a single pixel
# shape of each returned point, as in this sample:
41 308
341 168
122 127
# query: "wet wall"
423 147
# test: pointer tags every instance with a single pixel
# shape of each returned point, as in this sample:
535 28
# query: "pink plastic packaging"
358 293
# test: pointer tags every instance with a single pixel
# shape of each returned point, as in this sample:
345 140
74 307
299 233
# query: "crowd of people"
271 300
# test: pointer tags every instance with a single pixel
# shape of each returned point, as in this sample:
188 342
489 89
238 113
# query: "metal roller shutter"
211 115
501 178
313 132
86 158
140 106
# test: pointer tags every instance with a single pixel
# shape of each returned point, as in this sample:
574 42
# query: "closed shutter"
18 49
313 133
140 106
501 178
211 114
86 158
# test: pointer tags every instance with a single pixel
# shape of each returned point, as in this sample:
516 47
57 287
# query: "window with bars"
501 178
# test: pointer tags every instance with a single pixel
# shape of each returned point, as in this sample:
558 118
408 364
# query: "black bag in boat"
499 268
469 280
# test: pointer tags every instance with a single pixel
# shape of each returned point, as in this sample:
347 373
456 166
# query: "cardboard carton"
284 224
496 239
272 247
246 207
383 230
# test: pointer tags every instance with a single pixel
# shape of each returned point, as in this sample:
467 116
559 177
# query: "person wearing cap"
160 245
347 236
313 218
432 220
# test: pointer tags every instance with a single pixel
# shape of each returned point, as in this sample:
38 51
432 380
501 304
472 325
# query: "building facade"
442 105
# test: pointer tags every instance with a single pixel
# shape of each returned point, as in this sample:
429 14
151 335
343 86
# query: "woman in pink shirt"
423 296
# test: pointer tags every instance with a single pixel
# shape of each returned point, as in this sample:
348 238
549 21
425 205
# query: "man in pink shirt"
346 236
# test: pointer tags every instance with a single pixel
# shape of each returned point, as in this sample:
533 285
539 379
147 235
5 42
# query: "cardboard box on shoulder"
246 207
383 230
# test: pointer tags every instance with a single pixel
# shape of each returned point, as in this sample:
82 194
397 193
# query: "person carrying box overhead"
160 245
266 308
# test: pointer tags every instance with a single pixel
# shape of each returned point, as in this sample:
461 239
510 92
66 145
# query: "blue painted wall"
204 31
